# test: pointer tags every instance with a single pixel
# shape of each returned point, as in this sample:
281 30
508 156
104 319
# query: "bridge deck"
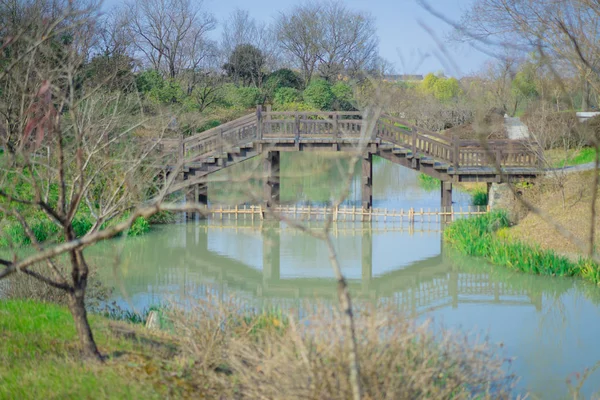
444 158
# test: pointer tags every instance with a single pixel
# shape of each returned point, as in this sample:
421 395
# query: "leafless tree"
561 31
170 35
68 151
349 42
328 38
241 29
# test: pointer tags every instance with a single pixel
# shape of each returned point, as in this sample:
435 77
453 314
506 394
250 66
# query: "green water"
550 325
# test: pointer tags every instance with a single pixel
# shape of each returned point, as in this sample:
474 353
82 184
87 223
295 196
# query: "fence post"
336 132
414 142
297 127
268 119
259 126
456 153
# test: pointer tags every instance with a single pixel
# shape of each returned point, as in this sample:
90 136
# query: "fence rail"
411 215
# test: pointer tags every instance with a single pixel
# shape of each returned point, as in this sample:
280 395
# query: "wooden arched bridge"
269 133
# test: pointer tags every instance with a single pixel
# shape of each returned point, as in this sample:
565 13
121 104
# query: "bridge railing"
456 152
300 125
338 125
219 139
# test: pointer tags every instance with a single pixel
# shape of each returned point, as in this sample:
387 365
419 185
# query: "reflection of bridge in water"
425 285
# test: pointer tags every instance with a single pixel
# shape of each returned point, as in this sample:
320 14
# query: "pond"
551 325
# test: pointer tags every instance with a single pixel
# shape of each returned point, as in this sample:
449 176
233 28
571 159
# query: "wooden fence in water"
346 213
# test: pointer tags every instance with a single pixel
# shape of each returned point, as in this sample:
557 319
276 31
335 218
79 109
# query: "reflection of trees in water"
304 177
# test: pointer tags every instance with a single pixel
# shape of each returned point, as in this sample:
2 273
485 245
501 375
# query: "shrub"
480 198
139 227
319 95
159 90
242 97
286 95
283 78
266 355
343 97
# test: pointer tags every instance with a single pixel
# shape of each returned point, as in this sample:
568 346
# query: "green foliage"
283 78
286 95
37 358
446 89
242 97
245 63
319 95
343 96
480 237
159 90
428 183
429 82
523 84
480 197
139 227
441 88
294 106
583 156
213 123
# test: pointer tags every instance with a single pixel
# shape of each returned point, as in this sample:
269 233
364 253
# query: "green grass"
38 358
479 197
44 229
583 156
428 183
485 236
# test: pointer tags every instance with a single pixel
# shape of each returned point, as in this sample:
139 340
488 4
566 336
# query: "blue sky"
403 40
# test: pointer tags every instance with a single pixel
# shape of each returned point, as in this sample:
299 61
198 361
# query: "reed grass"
485 236
13 233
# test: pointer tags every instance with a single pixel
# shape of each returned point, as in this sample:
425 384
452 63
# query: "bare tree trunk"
84 331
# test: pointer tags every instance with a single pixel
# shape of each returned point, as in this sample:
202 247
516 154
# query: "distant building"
403 78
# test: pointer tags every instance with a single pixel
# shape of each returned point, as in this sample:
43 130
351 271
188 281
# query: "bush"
480 198
286 95
283 78
139 227
319 95
242 97
159 90
294 106
343 97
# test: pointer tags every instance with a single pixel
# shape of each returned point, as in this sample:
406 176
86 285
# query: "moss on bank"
486 236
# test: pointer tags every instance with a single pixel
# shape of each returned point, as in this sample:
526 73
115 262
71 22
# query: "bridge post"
367 181
446 194
271 180
259 127
196 194
271 252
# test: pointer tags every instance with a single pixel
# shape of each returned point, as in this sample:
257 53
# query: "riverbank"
248 356
488 236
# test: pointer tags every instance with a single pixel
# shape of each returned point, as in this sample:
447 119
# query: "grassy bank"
222 352
13 233
486 236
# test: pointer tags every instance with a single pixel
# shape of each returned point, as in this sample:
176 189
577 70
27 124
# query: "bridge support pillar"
271 180
196 194
271 252
446 189
367 181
